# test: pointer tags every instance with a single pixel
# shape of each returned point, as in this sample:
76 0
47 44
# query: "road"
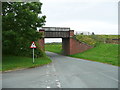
64 72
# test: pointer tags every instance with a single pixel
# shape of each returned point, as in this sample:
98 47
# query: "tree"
93 33
81 33
20 21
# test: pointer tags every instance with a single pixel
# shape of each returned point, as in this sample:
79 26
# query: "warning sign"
33 45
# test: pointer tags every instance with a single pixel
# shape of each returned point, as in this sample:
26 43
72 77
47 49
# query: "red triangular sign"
33 45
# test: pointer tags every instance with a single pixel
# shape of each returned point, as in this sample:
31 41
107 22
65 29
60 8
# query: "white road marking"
48 74
58 83
56 80
48 86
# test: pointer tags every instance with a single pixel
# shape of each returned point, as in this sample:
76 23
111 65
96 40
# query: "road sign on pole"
33 46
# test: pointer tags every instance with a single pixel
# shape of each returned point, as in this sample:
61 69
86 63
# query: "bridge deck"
56 28
56 32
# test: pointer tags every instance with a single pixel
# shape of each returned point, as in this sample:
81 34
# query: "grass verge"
18 62
105 53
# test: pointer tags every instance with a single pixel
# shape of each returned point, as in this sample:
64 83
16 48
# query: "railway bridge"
70 45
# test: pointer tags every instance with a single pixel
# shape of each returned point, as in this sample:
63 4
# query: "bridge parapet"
56 28
55 32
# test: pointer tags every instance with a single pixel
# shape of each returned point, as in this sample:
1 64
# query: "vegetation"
86 39
20 22
95 39
17 62
54 47
105 53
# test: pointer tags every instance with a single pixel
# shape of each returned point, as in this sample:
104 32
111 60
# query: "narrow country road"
64 72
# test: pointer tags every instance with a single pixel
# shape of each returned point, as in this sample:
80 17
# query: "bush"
27 51
20 47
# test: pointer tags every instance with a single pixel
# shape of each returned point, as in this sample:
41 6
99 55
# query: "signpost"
33 46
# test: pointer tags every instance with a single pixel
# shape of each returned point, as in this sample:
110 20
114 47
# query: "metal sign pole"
33 55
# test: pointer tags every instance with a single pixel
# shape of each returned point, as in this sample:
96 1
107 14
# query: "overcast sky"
98 16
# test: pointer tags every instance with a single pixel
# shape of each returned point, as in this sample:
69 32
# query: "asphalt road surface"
64 72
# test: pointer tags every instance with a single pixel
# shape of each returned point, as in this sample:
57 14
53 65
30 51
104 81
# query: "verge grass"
17 62
105 53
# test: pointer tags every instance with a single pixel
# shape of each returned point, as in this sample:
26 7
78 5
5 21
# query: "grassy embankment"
18 62
105 53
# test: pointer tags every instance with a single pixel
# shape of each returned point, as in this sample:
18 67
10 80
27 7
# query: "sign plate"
33 45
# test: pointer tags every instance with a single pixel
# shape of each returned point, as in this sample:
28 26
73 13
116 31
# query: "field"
57 48
17 62
105 53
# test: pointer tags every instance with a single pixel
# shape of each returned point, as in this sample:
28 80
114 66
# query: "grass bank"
17 62
105 53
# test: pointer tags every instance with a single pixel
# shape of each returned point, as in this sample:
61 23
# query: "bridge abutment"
76 46
41 41
65 46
